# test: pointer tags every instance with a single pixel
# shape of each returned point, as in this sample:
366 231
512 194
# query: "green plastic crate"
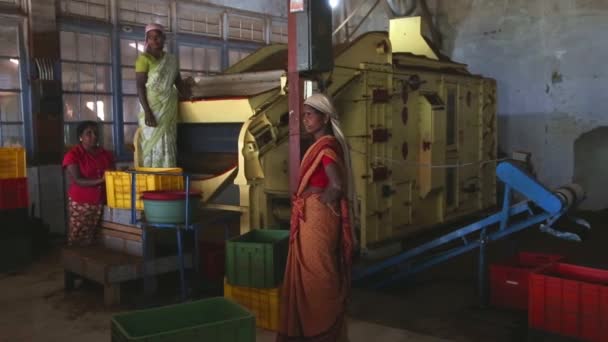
215 319
257 259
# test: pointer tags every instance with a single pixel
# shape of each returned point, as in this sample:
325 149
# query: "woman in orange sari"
316 286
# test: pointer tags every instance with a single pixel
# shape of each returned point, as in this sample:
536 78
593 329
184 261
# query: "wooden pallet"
121 238
111 268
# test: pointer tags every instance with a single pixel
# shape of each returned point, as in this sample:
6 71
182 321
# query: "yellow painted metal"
215 111
208 186
406 36
422 132
266 54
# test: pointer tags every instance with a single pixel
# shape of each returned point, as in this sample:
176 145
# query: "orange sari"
316 286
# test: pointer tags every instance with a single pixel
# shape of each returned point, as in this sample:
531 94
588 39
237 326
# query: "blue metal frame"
514 179
26 93
117 98
179 228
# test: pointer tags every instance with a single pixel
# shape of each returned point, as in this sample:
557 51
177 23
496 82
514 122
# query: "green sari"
158 145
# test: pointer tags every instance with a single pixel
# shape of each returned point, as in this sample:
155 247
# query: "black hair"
84 125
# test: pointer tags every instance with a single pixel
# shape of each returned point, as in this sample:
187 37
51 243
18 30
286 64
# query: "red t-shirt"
92 166
319 177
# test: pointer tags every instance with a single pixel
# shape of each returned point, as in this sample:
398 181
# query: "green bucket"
169 207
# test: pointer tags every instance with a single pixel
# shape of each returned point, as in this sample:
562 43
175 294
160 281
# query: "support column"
295 97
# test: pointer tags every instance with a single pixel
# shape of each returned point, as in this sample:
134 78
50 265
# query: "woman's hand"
73 173
330 196
150 119
334 189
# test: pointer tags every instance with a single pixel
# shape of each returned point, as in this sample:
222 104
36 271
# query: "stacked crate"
562 299
509 278
16 242
213 319
117 231
255 265
570 300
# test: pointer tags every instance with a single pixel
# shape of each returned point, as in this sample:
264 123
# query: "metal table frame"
179 228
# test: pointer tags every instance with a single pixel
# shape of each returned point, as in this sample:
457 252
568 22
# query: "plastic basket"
118 185
264 303
12 162
13 194
215 319
570 300
509 279
257 259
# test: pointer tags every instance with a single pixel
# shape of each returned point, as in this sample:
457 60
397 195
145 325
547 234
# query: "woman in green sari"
158 83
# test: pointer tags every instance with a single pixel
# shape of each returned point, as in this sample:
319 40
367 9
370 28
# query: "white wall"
548 58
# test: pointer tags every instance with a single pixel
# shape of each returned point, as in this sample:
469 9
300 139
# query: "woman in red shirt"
85 165
316 285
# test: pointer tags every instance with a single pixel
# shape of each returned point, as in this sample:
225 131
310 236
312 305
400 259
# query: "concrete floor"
439 304
36 308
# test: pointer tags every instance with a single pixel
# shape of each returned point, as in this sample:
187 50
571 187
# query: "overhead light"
14 61
137 46
333 3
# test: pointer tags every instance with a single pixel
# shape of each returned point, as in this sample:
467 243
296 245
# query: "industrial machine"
422 131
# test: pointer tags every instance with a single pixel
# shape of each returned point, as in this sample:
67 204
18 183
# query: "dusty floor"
440 304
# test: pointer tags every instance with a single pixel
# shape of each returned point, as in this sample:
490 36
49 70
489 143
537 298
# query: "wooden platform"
111 268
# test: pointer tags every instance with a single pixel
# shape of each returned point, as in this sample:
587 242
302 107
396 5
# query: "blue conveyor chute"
541 207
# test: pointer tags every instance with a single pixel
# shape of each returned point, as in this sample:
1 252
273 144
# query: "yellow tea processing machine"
422 131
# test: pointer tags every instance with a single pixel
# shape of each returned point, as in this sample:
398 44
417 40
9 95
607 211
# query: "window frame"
118 30
24 89
92 27
199 41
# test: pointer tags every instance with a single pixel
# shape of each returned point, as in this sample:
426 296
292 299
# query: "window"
198 61
11 112
97 9
143 12
129 50
86 72
278 32
245 28
199 20
235 55
451 126
10 2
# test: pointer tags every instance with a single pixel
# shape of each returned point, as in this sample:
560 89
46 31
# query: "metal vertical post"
295 100
180 247
506 204
180 258
483 289
117 99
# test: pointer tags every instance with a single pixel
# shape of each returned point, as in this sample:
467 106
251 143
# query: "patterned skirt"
83 222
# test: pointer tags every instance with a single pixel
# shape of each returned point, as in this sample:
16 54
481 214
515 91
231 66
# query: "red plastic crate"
570 300
509 279
13 193
212 260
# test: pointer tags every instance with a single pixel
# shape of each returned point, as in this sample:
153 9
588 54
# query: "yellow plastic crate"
264 303
12 162
118 185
